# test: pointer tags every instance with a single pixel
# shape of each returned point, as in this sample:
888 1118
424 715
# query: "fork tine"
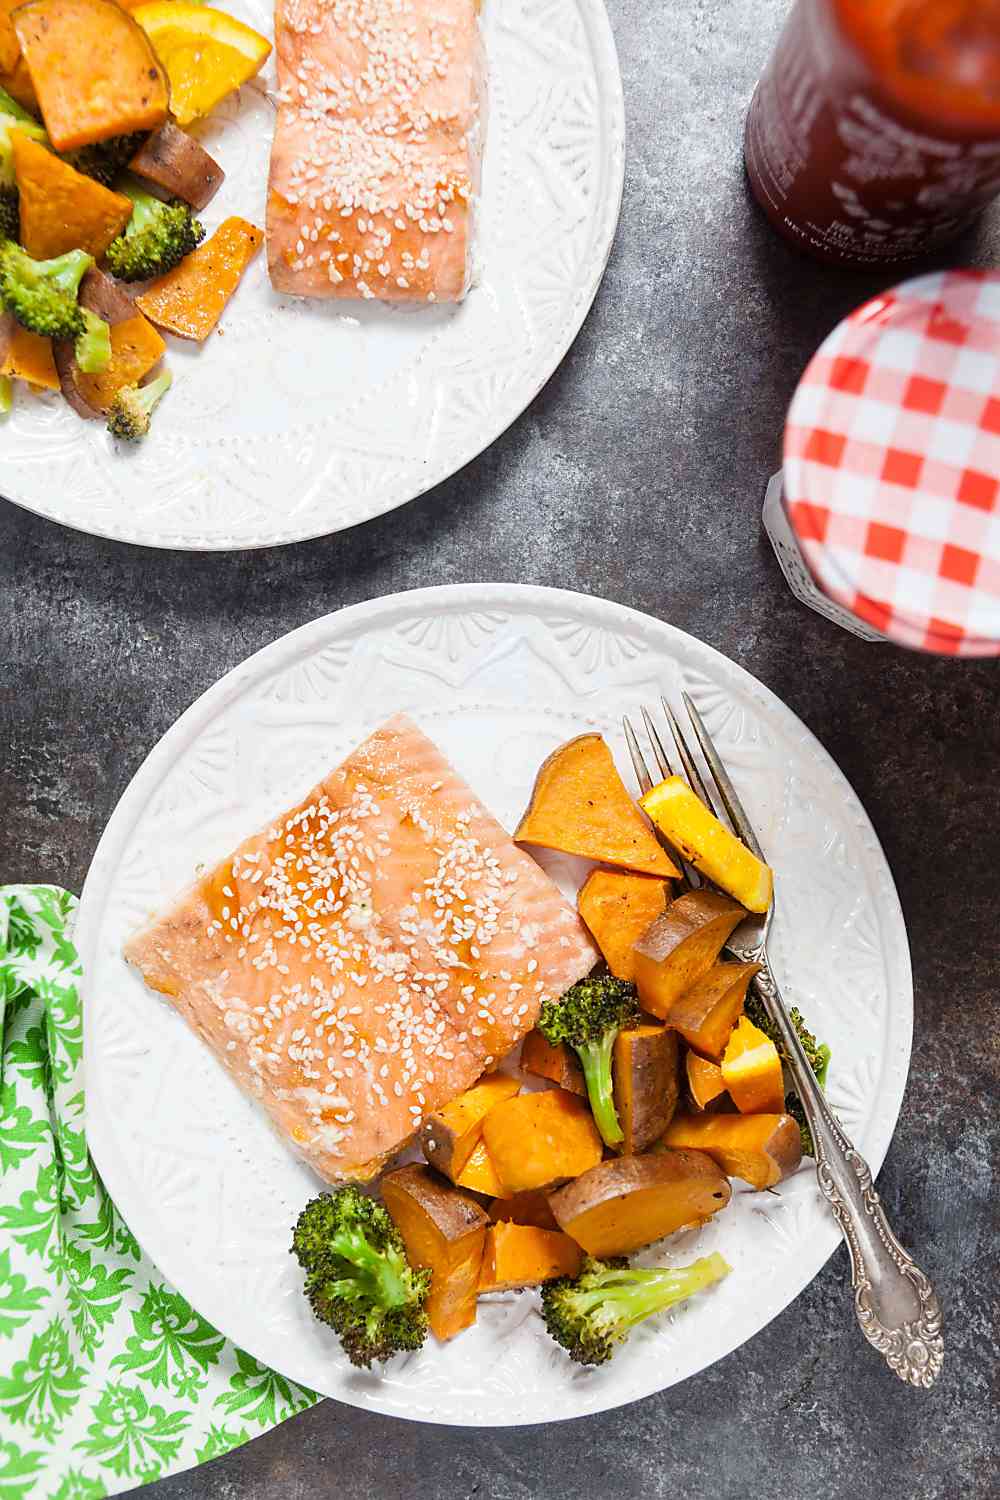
687 759
734 807
659 753
638 763
690 878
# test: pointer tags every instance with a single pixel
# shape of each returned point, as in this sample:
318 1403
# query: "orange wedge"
206 53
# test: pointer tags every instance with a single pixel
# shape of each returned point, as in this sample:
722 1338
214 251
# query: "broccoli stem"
384 1270
635 1294
6 395
596 1060
824 1055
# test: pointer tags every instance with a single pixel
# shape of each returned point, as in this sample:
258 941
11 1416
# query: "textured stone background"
637 474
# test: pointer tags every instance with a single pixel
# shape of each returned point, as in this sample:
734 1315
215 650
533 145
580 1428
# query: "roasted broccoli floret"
817 1053
106 160
157 236
587 1018
358 1278
591 1314
132 408
42 293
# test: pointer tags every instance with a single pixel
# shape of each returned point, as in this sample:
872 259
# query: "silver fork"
895 1303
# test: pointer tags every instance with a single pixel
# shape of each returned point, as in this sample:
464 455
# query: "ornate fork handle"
896 1305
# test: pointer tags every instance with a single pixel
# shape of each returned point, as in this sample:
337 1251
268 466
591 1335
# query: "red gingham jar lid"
892 463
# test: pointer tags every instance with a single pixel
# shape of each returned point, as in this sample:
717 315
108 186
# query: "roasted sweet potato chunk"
479 1174
524 1208
706 1013
92 68
645 1071
175 162
620 1205
617 908
450 1135
135 348
19 85
445 1231
751 1068
761 1149
579 805
682 945
518 1255
10 47
704 1080
559 1064
537 1140
190 299
697 834
28 357
60 208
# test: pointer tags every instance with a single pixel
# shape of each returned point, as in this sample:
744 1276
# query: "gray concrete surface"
636 474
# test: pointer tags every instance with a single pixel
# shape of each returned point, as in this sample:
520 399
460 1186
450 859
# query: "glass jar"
874 133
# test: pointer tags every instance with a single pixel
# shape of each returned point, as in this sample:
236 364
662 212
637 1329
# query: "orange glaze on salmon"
369 956
375 165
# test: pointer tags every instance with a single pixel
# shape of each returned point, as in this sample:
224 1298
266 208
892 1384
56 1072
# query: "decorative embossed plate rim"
499 674
306 418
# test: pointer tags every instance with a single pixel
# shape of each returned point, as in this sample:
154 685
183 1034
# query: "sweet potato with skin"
92 68
28 357
707 1012
135 348
60 208
560 1064
704 1080
176 163
519 1255
697 834
537 1140
524 1208
105 298
449 1136
761 1149
682 945
445 1231
617 908
751 1068
623 1204
479 1174
190 299
579 805
644 1070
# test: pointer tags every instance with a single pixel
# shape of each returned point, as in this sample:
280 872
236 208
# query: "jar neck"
938 59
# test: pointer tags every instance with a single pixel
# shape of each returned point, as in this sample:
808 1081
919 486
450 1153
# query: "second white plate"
497 675
301 418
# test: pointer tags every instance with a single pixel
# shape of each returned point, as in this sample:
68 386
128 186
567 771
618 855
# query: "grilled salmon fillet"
369 956
375 165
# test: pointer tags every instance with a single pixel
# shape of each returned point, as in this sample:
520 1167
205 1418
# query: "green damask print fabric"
108 1378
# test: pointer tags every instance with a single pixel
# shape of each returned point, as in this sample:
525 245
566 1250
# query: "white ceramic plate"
498 675
298 418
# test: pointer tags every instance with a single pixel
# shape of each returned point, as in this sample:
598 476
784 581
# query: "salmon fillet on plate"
375 166
369 955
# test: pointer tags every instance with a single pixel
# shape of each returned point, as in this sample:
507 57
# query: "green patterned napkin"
108 1378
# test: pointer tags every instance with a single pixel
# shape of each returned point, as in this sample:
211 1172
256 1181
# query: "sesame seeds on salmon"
370 955
375 165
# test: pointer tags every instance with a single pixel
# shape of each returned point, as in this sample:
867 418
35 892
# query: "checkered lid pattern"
892 463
